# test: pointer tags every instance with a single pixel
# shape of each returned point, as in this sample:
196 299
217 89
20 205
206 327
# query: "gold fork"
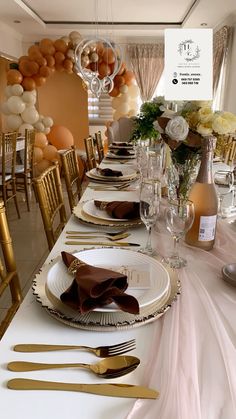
100 351
113 238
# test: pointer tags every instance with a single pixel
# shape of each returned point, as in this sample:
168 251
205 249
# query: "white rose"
204 129
177 128
222 125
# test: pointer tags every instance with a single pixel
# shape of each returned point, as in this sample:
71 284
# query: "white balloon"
134 105
123 108
40 117
70 53
116 115
39 126
15 104
17 89
74 35
124 98
47 121
8 91
46 131
4 108
29 98
30 115
115 102
133 90
65 39
14 122
23 127
132 112
123 89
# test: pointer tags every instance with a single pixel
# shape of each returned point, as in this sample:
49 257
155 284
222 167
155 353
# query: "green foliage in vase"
143 128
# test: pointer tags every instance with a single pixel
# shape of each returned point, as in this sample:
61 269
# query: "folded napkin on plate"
122 152
110 172
119 209
121 144
95 287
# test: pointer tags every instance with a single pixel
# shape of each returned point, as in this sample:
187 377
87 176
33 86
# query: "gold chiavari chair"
70 170
90 151
24 172
8 164
99 145
49 195
8 273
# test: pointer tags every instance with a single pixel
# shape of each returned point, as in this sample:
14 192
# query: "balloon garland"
32 70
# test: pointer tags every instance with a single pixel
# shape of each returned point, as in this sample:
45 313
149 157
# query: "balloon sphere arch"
32 70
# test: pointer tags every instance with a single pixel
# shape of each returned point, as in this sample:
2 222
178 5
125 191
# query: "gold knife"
110 244
114 390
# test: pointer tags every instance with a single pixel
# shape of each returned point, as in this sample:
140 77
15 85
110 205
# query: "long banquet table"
188 354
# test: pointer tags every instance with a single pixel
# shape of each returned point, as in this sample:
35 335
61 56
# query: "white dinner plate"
155 286
117 146
111 155
90 208
127 174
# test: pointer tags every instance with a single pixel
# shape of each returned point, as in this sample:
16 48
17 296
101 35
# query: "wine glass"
154 169
224 183
179 219
150 195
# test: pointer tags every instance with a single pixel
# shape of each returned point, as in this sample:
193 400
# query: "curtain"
221 44
147 62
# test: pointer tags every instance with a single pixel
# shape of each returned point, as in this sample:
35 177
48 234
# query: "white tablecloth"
188 354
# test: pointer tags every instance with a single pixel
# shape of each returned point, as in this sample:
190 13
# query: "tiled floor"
29 242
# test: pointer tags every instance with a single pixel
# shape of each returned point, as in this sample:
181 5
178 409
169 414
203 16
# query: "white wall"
229 100
10 42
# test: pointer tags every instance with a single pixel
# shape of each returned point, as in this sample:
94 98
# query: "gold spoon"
112 367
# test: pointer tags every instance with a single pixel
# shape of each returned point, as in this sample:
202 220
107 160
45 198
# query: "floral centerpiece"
183 131
143 123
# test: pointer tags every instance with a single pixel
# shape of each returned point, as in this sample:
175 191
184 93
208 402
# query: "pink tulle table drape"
192 360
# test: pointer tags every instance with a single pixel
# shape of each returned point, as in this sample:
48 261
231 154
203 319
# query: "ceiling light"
16 21
203 24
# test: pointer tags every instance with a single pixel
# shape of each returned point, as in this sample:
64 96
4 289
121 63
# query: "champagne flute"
224 183
150 195
154 165
179 219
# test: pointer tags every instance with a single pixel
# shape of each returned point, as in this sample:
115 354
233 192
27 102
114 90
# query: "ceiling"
124 19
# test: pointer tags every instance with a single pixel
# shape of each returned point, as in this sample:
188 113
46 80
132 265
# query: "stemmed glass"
179 219
224 182
150 195
154 162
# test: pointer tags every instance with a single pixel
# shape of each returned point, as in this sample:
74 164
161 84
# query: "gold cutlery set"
84 238
114 365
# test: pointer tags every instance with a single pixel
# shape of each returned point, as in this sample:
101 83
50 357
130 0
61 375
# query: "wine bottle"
204 196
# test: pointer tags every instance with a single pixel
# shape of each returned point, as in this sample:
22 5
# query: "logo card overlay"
188 64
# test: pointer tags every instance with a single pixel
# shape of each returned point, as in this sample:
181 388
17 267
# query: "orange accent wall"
64 99
4 65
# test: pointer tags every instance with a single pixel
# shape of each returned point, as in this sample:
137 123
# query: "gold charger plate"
104 321
89 219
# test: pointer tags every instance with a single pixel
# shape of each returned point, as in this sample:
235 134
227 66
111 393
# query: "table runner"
193 354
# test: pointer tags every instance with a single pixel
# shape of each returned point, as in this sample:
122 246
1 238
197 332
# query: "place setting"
108 175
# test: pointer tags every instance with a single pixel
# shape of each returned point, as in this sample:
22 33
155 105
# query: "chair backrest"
70 169
99 145
29 152
120 130
8 155
8 274
49 195
90 151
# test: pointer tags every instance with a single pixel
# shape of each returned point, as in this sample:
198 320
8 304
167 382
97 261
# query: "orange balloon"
115 92
42 166
50 60
41 140
34 52
46 46
39 80
23 57
108 56
38 154
129 77
59 57
100 49
104 69
44 71
119 81
122 70
60 137
26 68
59 67
67 64
61 45
14 76
28 83
50 153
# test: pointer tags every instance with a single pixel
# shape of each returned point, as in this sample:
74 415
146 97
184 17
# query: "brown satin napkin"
95 287
120 209
122 152
122 144
109 172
